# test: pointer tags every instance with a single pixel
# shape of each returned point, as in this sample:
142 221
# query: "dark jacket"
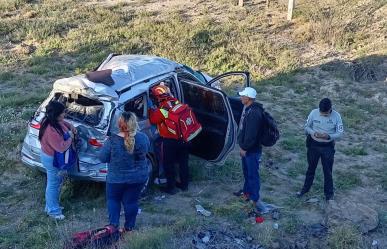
124 167
250 132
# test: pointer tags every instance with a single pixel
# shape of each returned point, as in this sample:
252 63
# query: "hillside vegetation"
333 48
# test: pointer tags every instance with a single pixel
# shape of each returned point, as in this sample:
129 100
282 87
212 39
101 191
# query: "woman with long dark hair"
51 137
127 170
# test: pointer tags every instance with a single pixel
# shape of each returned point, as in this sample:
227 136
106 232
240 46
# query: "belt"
311 142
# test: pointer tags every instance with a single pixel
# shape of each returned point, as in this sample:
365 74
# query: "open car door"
231 83
213 111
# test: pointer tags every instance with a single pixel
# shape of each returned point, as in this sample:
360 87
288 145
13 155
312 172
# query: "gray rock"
349 212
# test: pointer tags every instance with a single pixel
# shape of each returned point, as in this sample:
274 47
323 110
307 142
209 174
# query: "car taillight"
94 142
35 126
103 171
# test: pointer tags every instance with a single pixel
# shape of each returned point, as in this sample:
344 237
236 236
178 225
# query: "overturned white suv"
123 82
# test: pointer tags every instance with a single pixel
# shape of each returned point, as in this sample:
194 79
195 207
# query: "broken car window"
81 108
137 105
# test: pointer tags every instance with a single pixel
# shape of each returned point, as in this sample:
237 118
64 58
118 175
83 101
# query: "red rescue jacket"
158 116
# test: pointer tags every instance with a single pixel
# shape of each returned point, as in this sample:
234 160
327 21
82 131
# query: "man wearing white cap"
250 130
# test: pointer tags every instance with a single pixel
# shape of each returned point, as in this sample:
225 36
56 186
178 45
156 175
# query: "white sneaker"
58 217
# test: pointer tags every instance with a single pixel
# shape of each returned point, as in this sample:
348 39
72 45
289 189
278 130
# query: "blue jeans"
250 165
128 195
53 186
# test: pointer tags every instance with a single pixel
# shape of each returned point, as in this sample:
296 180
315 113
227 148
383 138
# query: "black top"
250 128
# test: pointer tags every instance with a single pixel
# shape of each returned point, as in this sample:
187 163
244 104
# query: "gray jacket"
331 125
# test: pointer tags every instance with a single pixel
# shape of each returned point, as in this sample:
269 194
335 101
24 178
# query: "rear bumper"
91 175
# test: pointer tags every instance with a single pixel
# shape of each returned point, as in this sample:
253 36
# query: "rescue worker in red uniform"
174 149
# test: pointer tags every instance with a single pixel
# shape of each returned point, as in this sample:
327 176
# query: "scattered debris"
210 239
200 209
202 239
301 244
159 198
312 200
317 230
205 236
239 241
275 226
206 239
271 207
259 219
276 215
375 244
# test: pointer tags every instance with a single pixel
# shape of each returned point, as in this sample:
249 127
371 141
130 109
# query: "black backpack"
270 133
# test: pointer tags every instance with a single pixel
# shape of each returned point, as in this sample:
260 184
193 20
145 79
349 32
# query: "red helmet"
160 91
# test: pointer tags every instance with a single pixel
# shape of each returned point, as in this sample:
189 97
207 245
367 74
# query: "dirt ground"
294 64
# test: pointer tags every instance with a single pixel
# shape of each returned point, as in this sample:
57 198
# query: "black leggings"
176 151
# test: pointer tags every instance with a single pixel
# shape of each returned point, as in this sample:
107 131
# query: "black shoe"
238 193
170 191
182 186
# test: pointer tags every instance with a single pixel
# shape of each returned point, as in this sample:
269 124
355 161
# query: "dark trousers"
250 166
128 195
176 151
314 153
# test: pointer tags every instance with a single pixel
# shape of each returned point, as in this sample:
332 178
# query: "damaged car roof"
127 70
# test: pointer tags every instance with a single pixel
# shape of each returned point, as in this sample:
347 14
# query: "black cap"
325 105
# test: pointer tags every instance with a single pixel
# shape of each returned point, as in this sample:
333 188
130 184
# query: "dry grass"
345 237
41 41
